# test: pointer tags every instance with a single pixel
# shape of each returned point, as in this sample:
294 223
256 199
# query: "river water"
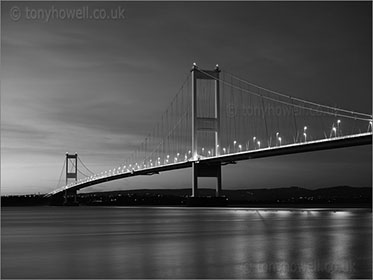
175 242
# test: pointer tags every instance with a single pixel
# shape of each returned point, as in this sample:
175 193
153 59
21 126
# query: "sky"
97 86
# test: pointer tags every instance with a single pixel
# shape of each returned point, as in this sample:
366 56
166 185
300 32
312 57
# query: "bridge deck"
331 143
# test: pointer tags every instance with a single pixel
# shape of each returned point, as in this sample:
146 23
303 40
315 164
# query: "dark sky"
97 86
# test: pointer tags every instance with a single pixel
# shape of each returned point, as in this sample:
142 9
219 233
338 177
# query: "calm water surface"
144 242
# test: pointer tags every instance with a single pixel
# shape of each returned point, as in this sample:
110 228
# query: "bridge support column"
206 170
194 180
71 173
218 182
70 197
205 123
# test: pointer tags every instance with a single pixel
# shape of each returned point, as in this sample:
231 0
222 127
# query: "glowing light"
259 144
305 128
234 142
240 147
283 213
338 121
334 129
341 213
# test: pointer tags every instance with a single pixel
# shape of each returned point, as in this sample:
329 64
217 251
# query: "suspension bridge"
217 118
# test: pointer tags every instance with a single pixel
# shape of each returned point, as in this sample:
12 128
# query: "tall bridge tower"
209 124
71 173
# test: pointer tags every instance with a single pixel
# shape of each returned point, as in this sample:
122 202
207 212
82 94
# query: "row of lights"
257 144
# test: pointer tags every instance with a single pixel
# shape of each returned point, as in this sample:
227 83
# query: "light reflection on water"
151 242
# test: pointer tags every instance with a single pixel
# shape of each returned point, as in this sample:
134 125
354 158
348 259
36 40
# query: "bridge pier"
205 123
71 194
70 198
206 170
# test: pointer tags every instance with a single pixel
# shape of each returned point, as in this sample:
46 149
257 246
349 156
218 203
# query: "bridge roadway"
317 145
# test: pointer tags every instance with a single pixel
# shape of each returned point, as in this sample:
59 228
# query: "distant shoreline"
291 197
337 207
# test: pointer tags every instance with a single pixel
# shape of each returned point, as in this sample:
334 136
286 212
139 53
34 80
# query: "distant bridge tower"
73 159
210 124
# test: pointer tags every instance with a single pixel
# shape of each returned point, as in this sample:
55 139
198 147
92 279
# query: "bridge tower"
209 124
71 175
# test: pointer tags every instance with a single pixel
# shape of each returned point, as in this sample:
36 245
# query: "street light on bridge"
338 132
334 130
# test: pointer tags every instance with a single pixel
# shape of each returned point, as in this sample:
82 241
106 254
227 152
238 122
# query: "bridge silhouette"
216 119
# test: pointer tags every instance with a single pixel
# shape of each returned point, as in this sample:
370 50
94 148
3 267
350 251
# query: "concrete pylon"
211 124
71 175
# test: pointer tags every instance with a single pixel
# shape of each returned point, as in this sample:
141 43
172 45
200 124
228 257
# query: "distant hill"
291 196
